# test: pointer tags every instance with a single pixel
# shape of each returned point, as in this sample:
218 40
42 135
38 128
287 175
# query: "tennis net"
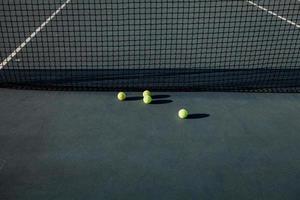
203 45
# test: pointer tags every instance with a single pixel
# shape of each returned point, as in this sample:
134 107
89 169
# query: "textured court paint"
39 29
2 163
88 145
274 14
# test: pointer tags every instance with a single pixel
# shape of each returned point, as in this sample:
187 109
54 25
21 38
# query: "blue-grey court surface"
88 145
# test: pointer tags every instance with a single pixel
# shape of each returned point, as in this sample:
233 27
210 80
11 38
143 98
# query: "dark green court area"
88 145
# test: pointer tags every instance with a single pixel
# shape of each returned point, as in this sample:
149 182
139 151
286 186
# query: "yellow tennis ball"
146 93
183 113
147 99
121 96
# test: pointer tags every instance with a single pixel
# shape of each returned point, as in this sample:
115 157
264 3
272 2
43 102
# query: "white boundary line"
39 29
274 14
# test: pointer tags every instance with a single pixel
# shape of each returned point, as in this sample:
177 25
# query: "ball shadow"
160 96
198 116
157 102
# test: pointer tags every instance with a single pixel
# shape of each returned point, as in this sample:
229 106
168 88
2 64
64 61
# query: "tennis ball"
121 96
183 113
146 93
147 99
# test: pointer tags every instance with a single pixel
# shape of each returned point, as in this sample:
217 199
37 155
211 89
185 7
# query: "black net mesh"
214 45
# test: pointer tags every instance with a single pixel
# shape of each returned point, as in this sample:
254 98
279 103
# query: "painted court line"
274 14
39 29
